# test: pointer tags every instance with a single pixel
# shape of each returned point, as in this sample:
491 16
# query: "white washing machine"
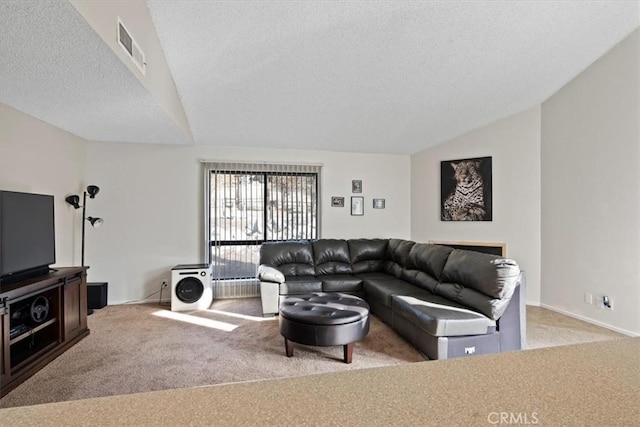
191 287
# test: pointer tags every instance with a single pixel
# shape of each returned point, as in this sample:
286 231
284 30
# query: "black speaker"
96 295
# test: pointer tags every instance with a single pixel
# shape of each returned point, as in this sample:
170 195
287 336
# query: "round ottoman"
324 319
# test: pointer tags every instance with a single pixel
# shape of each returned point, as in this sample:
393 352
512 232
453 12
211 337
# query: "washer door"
189 290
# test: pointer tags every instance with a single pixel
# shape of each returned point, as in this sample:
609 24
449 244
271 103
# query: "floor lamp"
74 201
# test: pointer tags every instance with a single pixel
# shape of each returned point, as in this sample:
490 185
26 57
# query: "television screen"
27 233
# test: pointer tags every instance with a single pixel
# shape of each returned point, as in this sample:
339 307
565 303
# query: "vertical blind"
250 203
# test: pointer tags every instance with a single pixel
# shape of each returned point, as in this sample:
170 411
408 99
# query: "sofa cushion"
440 317
300 285
429 258
293 258
381 288
378 275
480 281
397 258
340 283
367 255
331 256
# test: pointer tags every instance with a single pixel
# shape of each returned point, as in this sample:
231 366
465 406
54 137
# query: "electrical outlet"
588 299
607 303
164 284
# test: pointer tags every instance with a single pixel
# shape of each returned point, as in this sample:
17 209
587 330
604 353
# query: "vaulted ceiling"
361 76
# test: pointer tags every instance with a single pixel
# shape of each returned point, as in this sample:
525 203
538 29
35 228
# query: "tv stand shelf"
32 331
36 341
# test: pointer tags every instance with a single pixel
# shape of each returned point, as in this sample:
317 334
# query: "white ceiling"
362 76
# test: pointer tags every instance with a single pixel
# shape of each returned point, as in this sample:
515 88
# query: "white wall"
151 199
36 157
591 190
514 145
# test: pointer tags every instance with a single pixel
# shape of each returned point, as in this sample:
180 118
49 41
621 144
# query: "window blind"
247 204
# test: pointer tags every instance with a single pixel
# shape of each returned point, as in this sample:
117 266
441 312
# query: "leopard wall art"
467 201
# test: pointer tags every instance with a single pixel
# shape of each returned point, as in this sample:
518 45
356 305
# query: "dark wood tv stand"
27 345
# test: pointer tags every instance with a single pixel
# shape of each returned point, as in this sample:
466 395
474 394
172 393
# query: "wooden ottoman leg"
348 353
288 345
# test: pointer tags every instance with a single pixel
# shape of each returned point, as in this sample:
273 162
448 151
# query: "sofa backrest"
367 255
331 256
480 281
292 258
397 259
426 264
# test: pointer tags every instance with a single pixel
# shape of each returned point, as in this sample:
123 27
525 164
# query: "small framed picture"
337 202
357 205
378 203
356 186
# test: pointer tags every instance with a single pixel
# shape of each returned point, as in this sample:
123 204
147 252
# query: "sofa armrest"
269 273
513 322
270 280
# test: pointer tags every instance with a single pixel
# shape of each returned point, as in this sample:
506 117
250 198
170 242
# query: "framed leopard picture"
465 190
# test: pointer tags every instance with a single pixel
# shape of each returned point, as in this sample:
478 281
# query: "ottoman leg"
348 353
288 345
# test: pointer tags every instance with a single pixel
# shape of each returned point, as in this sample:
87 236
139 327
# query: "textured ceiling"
55 67
362 76
374 76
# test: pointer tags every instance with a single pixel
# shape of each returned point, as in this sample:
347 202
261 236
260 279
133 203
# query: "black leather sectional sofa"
446 302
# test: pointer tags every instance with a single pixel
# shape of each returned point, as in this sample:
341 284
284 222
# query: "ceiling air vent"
131 47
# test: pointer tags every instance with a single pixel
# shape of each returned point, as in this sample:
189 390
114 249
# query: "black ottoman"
324 319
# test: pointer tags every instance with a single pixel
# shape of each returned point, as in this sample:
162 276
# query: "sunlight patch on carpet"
195 320
243 316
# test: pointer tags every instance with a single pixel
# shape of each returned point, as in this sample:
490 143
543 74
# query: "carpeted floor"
546 328
138 348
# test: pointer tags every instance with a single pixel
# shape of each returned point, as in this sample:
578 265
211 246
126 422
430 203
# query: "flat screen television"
27 235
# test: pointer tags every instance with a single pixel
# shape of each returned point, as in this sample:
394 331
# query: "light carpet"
146 347
133 348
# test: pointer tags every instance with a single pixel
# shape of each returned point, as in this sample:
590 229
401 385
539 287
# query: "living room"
565 191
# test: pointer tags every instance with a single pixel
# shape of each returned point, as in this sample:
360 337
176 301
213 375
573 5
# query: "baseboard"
588 320
142 301
166 301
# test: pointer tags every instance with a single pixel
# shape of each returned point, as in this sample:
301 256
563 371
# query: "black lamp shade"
93 190
73 201
95 222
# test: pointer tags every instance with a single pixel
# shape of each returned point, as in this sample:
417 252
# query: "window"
248 204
